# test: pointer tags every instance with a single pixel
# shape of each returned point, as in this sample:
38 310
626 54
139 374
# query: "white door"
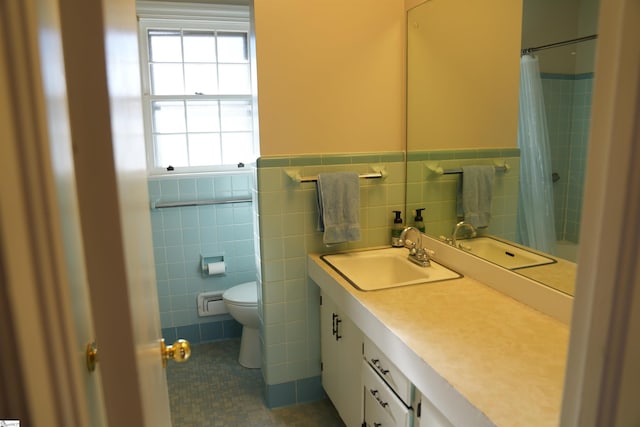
46 229
103 85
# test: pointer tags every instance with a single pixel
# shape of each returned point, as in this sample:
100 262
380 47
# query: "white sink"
503 254
377 269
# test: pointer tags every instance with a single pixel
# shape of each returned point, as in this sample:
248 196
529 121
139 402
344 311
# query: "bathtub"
567 250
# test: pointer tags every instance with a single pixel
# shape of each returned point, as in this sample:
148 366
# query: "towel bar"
295 175
439 171
362 176
156 205
459 170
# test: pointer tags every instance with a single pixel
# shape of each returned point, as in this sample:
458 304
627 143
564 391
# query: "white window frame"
201 16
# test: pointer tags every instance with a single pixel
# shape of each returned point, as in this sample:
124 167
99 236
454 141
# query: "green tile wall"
568 111
287 217
437 193
182 234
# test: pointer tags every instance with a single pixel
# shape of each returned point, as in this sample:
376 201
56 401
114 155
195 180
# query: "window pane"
236 116
236 147
164 46
168 117
166 79
232 47
234 79
171 150
202 116
200 79
199 46
204 149
187 130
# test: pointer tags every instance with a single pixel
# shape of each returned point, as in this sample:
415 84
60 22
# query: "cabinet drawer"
382 408
388 371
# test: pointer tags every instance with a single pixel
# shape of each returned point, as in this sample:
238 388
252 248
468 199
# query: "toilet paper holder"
205 260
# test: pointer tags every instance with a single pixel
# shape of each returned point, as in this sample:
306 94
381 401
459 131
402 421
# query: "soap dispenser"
418 221
396 230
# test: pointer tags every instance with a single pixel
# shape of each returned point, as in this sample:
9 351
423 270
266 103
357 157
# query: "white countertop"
480 356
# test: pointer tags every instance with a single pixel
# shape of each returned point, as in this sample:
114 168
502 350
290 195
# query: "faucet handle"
410 244
425 254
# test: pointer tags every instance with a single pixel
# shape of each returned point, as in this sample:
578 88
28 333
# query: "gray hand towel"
339 206
475 195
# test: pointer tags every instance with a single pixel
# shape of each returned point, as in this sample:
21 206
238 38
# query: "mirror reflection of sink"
377 269
503 254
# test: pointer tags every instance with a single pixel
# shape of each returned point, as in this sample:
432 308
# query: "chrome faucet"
417 254
456 229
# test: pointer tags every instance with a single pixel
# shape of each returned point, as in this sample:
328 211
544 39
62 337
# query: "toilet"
242 303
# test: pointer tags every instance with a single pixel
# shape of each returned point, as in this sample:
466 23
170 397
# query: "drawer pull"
335 327
374 393
379 367
377 424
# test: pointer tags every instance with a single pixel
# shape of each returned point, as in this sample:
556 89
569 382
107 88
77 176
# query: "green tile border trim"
355 158
416 156
556 76
329 159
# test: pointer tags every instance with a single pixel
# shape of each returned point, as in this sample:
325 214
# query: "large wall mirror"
463 83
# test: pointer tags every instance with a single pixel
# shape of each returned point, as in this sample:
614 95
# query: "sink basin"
377 269
501 253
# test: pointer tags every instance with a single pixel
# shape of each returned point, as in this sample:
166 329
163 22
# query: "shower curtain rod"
528 50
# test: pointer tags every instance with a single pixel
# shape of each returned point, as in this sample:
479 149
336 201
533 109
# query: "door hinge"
320 299
419 409
321 366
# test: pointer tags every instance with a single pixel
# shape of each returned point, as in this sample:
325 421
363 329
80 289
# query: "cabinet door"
430 416
341 351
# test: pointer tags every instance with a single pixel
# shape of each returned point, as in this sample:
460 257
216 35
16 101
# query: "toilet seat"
244 295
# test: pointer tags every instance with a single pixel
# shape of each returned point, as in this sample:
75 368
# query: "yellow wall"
464 62
552 21
330 76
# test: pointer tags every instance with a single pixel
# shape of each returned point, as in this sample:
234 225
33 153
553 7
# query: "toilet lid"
244 294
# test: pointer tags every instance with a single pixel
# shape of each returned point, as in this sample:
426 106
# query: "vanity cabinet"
366 388
341 352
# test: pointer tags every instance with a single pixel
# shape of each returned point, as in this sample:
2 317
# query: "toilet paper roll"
216 268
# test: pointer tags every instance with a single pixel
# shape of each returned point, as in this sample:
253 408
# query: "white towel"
339 206
474 199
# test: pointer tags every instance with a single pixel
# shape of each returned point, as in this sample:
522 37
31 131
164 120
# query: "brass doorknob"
179 352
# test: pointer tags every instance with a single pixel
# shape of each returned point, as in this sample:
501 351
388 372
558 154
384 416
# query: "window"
197 97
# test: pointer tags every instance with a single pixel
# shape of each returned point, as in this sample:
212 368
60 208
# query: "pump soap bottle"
396 230
418 221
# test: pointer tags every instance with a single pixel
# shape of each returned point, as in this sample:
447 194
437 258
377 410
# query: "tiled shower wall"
437 193
182 234
568 109
288 217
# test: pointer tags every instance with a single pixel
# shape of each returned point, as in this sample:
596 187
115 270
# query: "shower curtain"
536 224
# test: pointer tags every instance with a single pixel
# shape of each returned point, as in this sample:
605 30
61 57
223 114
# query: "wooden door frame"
603 368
